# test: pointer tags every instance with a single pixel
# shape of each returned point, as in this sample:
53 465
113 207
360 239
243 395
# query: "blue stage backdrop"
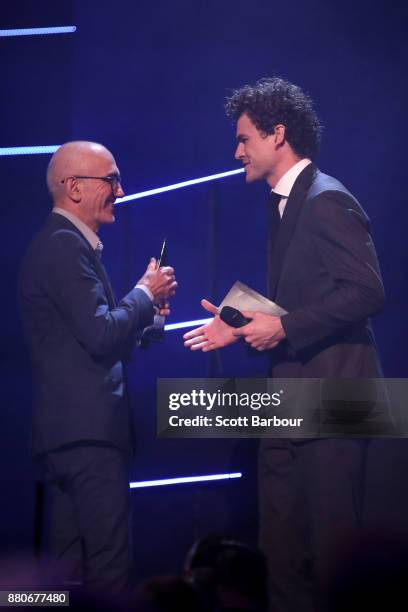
148 80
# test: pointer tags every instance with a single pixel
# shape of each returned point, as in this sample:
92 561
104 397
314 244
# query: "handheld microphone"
233 317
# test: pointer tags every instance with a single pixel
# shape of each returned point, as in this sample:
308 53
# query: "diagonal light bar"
183 324
183 480
28 150
38 31
35 150
203 179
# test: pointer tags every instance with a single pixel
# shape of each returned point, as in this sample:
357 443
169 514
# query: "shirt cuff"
146 290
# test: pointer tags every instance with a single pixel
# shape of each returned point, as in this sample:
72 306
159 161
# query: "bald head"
75 158
84 180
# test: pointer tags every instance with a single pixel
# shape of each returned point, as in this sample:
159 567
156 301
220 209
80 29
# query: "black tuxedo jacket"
78 337
325 273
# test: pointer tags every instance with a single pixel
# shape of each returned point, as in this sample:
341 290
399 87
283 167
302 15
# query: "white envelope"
242 297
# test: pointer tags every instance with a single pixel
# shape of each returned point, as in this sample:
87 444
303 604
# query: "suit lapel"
105 281
61 221
288 223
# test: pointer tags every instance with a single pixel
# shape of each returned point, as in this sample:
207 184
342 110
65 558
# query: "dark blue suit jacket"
78 337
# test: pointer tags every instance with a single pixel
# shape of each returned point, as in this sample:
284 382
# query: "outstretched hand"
211 336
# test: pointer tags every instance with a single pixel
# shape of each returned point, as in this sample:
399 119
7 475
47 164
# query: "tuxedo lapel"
274 222
287 226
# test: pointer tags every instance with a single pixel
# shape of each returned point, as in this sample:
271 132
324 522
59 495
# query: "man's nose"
119 191
239 151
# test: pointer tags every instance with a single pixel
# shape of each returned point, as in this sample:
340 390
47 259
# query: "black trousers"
311 498
89 536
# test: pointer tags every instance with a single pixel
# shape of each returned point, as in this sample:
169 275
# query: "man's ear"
279 134
73 189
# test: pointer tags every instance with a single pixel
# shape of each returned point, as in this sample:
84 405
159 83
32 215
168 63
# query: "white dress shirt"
284 186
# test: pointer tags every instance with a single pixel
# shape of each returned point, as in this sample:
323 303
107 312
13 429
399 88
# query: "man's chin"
109 217
107 220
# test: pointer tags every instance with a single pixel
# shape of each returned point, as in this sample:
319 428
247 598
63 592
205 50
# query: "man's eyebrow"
240 137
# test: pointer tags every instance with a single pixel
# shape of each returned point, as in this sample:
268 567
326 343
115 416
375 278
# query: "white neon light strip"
183 480
38 31
28 150
35 150
203 179
172 326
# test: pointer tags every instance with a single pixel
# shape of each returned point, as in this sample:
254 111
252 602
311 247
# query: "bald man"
79 335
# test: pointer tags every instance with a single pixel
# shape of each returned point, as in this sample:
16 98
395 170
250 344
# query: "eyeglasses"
113 179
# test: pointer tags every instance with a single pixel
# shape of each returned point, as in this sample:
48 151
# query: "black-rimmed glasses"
113 179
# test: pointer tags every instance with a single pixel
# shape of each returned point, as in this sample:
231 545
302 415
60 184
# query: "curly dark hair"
272 101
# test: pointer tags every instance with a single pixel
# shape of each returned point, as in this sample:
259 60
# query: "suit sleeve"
340 232
72 281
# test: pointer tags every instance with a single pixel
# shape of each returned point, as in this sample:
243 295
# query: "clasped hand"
262 333
162 284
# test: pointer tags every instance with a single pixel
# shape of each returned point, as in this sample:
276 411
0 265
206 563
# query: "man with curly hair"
323 270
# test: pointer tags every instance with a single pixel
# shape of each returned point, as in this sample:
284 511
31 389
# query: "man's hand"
161 282
162 310
263 332
212 336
